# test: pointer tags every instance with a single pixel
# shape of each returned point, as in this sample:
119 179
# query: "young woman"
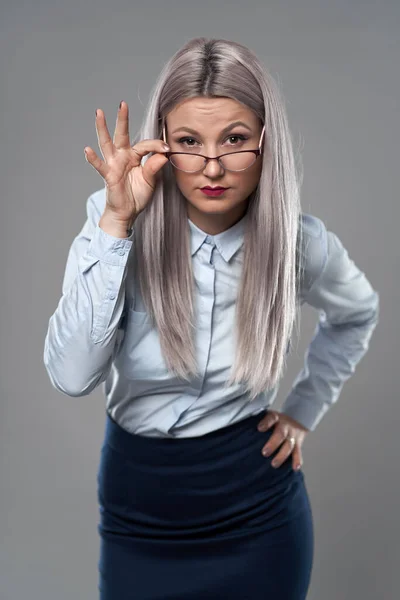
182 301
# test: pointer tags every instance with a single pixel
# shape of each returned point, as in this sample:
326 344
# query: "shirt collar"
227 242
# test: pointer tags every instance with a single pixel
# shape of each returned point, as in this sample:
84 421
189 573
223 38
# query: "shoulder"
312 246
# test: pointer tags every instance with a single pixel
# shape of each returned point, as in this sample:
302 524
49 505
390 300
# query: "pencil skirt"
201 518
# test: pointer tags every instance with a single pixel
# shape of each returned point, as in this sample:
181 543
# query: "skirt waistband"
154 450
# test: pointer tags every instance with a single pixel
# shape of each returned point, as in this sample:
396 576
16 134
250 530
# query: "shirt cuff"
306 411
110 249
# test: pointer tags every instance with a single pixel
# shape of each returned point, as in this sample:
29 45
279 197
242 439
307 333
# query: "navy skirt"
203 518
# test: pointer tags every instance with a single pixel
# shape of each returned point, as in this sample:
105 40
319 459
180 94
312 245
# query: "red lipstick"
213 191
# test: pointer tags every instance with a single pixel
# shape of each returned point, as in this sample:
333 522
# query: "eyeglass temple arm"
261 138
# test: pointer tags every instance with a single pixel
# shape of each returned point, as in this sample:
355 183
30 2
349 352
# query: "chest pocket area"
140 356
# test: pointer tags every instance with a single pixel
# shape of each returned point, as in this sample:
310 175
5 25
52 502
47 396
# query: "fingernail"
262 427
274 463
298 467
266 452
120 104
166 147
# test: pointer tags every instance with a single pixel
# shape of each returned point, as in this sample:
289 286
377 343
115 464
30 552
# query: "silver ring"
292 440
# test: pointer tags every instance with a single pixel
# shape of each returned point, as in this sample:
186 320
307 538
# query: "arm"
348 309
81 339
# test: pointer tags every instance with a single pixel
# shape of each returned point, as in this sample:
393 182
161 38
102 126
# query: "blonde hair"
267 296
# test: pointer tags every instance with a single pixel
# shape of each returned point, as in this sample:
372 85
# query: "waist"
183 450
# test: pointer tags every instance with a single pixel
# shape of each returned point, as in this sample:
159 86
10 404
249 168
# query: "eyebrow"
228 128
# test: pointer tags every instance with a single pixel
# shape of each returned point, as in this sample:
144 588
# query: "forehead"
218 111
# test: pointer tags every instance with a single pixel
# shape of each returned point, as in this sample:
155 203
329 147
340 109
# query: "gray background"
337 64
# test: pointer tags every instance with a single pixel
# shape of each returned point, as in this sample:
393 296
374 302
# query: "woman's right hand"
129 185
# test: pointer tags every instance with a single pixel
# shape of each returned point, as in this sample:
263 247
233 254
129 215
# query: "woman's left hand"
285 427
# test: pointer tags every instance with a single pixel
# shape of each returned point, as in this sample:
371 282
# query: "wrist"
115 227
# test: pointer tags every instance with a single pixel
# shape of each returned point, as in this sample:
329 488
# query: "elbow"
74 372
73 392
370 316
66 381
67 386
373 315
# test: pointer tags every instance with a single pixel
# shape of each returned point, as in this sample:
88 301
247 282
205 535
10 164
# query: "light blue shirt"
100 332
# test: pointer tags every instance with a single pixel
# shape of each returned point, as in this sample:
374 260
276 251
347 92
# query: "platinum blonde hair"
266 307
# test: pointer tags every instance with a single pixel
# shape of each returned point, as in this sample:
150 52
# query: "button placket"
210 245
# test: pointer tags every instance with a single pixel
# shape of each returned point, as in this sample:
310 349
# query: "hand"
129 185
285 427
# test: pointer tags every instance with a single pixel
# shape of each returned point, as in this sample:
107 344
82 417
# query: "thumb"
152 166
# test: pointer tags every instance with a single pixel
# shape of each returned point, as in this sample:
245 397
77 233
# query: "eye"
185 140
238 136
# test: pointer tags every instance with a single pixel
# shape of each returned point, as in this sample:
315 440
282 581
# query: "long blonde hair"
266 307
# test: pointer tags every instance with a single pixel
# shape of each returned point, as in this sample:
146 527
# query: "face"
206 118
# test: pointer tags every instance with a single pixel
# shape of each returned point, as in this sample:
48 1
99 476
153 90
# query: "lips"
214 189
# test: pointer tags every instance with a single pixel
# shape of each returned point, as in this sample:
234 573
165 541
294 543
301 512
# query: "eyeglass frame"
257 152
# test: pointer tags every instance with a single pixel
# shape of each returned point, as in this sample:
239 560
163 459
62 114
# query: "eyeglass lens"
233 161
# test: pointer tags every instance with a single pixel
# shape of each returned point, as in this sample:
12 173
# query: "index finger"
275 440
143 147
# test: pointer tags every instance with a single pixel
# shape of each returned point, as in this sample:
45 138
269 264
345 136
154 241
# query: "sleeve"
348 312
82 332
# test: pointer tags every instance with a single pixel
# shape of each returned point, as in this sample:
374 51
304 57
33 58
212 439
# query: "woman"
166 288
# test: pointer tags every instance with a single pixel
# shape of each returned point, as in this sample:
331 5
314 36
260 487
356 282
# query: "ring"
292 440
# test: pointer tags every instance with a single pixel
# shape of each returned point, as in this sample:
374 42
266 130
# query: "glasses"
231 161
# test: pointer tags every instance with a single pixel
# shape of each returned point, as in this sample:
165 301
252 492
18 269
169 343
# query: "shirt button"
121 252
112 296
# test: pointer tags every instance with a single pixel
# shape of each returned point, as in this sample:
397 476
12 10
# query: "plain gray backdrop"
337 63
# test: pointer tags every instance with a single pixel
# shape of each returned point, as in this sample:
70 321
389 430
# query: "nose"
213 168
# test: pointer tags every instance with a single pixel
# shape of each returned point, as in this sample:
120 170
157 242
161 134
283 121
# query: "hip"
218 483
